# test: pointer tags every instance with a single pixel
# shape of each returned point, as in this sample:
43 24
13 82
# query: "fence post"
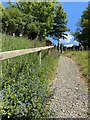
39 57
49 51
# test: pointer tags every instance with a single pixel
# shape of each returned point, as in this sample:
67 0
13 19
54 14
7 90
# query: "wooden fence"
15 53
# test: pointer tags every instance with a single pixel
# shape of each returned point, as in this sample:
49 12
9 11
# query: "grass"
15 43
81 57
24 82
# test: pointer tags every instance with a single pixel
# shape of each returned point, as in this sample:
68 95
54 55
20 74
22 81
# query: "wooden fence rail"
15 53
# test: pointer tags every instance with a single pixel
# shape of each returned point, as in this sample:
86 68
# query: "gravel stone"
70 97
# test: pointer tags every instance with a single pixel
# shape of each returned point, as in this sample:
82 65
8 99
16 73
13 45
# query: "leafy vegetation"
83 29
34 19
25 85
60 22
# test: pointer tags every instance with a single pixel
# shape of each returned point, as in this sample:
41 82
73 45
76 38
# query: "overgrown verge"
81 57
25 85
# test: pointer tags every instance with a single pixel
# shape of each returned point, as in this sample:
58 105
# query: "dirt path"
70 98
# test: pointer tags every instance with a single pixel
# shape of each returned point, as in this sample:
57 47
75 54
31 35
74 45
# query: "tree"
1 9
59 27
35 19
1 13
41 14
83 29
12 20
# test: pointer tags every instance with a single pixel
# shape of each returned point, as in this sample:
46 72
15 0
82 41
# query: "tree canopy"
59 26
35 19
83 29
12 20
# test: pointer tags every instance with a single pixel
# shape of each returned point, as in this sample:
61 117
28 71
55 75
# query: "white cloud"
69 37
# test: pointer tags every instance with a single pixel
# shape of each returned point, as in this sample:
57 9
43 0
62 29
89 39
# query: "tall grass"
14 43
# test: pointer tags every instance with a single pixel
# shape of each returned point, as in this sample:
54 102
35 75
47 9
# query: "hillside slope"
25 84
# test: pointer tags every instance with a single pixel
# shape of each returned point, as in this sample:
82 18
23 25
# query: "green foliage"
35 19
60 22
32 30
41 13
1 9
25 94
1 13
83 30
12 20
25 85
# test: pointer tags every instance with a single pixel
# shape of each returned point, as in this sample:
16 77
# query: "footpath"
70 96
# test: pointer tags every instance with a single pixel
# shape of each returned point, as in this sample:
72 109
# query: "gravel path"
69 99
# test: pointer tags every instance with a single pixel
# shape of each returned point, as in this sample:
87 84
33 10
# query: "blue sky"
74 11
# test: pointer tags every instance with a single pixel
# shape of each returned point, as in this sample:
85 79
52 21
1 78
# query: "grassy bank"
82 59
25 85
14 43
